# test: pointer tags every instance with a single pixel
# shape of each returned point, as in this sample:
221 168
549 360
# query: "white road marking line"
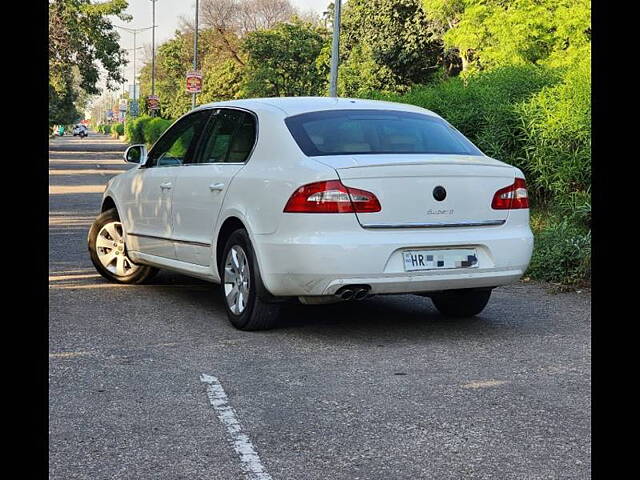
68 354
241 444
484 384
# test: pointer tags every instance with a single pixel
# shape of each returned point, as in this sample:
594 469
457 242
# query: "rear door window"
229 138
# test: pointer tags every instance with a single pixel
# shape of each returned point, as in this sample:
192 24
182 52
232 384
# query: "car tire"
108 251
461 303
244 296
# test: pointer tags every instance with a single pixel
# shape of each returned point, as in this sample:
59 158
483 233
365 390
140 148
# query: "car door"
150 229
202 184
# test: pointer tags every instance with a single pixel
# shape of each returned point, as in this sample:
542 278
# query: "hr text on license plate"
439 259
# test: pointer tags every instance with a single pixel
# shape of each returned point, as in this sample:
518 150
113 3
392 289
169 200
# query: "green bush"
117 129
562 253
556 132
145 129
153 128
134 129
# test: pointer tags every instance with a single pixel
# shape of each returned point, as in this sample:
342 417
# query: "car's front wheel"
461 303
245 297
108 251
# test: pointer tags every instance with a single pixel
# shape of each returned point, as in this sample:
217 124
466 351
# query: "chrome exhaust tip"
361 294
346 294
353 292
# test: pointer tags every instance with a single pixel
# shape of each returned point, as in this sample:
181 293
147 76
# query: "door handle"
166 185
216 187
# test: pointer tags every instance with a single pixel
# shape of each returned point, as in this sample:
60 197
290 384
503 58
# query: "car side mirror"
136 154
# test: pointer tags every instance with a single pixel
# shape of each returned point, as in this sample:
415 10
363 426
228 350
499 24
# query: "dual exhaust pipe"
353 292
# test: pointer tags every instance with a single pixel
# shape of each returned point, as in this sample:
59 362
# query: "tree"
233 19
243 16
489 33
81 39
395 42
282 60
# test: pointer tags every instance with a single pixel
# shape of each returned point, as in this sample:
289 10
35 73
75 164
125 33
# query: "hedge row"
145 129
117 129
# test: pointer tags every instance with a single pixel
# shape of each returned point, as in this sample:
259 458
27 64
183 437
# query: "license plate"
439 259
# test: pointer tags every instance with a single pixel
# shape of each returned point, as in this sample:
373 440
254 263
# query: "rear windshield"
349 132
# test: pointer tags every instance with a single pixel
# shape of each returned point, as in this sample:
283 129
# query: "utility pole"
153 52
195 54
335 50
135 32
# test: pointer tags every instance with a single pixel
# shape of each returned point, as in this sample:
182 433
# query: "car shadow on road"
375 319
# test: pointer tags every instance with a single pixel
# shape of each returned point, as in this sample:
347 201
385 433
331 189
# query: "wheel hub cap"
112 251
236 279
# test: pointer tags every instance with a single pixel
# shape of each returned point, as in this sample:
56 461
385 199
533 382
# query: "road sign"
153 102
123 105
194 81
133 108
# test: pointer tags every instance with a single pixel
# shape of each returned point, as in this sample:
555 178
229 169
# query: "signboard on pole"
194 81
123 105
133 108
153 103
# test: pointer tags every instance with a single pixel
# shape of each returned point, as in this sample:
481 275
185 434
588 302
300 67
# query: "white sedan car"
319 200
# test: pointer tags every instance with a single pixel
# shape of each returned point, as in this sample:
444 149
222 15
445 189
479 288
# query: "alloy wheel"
236 279
112 252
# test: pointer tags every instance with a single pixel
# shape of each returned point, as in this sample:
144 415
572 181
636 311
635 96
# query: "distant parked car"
319 200
80 130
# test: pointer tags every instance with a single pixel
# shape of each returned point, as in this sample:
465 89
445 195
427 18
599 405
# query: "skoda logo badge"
439 193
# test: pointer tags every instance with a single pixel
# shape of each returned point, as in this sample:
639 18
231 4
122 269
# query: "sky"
168 13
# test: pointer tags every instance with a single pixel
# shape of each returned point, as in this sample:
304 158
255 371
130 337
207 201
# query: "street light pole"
153 52
134 66
135 32
195 54
335 50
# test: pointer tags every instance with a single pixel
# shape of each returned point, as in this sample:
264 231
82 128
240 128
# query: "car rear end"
411 206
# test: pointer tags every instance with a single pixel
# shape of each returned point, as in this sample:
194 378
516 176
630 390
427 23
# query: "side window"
177 145
229 137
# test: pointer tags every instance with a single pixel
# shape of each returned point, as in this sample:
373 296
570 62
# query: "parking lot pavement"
152 382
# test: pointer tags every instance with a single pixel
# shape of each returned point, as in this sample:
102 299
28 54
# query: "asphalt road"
381 389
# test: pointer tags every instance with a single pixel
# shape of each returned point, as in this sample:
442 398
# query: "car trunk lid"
405 184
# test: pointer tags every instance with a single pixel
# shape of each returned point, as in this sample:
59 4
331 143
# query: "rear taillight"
511 197
331 197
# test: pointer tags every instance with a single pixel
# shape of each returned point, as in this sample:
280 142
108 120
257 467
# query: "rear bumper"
318 255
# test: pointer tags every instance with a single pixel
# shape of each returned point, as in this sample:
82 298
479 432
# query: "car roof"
296 105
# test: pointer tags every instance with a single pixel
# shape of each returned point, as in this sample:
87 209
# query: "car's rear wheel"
461 303
108 251
245 297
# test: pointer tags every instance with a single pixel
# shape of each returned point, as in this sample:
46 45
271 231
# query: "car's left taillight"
331 197
512 197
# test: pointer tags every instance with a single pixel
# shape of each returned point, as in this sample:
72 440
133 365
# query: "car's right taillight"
512 197
331 197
